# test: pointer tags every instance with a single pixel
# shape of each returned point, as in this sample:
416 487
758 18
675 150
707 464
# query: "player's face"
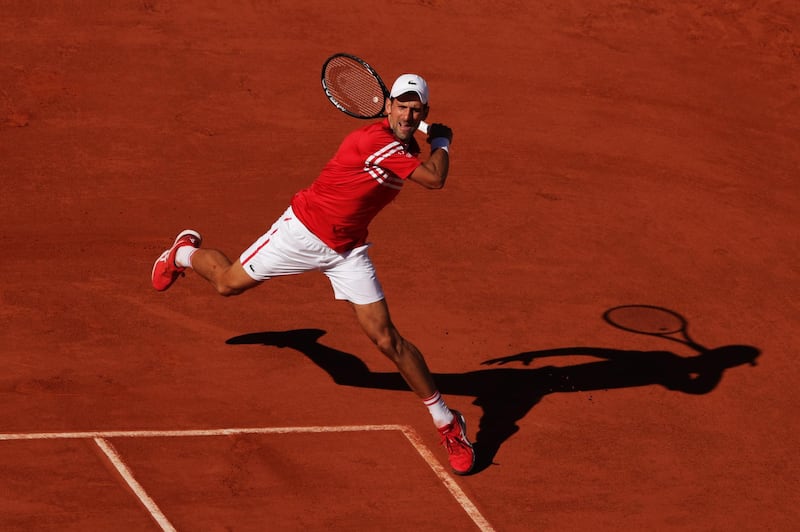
405 115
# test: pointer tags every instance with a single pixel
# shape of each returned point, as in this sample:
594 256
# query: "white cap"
410 83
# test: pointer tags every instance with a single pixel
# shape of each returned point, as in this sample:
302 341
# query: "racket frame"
423 126
369 69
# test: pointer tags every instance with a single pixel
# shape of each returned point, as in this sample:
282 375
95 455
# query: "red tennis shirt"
366 173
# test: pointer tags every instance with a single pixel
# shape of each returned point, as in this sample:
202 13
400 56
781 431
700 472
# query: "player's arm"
432 173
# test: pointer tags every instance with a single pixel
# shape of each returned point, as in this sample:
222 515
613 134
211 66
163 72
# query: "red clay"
605 153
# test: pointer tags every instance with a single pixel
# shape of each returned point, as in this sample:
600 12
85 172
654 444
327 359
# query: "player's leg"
211 264
375 321
277 252
377 324
227 278
354 279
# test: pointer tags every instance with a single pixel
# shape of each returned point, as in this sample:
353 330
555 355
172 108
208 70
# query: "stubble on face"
404 116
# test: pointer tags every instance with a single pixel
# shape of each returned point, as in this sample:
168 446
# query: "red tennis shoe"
165 271
454 439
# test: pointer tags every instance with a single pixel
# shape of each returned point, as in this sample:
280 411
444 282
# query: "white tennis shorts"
289 248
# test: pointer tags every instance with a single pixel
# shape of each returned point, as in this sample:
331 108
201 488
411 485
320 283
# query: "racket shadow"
506 395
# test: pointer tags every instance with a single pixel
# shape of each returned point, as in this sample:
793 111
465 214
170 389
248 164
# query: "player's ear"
387 107
425 111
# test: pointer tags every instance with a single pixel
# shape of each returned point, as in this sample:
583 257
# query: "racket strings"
354 87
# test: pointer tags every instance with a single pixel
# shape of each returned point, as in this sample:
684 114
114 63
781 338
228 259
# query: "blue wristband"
440 143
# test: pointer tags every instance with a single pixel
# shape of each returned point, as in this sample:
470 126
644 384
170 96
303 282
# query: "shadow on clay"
506 395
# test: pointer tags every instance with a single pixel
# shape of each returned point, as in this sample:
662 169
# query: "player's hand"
439 131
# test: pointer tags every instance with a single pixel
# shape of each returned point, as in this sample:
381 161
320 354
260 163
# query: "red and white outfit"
326 226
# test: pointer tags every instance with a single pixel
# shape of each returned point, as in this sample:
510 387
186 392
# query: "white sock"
442 416
183 257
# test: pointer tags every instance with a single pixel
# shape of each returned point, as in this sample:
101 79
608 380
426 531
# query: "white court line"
194 432
137 488
100 438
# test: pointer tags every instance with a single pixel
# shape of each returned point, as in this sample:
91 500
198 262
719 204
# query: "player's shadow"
506 395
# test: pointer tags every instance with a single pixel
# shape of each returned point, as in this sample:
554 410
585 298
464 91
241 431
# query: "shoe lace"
453 441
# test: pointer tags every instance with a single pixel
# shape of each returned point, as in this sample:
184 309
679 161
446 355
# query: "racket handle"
423 127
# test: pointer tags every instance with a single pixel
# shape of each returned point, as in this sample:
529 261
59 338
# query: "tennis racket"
355 88
652 321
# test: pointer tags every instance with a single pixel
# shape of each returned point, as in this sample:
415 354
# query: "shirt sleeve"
394 157
402 164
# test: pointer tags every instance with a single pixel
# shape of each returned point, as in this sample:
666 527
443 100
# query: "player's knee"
385 345
228 291
389 344
228 284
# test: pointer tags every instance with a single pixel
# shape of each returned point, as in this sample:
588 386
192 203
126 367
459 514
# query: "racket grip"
423 127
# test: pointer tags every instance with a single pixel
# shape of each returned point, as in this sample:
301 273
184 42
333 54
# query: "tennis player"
325 229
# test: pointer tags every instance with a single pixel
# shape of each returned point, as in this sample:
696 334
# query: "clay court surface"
606 153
